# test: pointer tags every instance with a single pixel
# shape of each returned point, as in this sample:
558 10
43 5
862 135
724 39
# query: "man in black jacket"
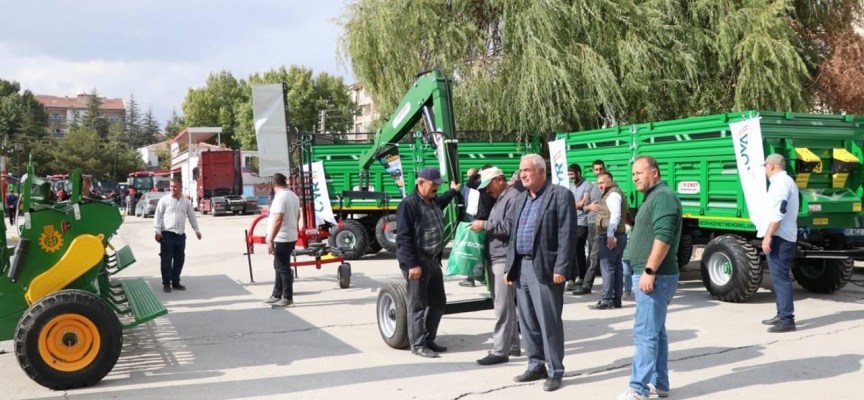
419 244
484 208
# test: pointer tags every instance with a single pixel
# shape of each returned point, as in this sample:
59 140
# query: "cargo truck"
705 160
219 182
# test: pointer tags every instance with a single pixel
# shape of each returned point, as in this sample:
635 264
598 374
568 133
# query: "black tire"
392 312
68 309
386 237
352 236
823 275
736 281
685 250
343 274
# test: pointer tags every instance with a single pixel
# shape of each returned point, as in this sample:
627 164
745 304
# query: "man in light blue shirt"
780 238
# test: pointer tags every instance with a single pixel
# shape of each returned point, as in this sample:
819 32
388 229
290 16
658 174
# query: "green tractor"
57 299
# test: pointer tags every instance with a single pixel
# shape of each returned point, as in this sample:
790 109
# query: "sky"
158 49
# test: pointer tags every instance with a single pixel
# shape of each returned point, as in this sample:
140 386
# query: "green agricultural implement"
57 299
700 159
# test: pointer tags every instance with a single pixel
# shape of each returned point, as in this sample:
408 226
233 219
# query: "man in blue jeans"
652 250
779 241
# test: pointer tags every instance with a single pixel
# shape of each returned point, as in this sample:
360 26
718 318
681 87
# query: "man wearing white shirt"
281 239
169 221
780 238
611 228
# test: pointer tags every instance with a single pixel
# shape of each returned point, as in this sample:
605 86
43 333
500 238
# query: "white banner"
321 196
271 129
558 158
749 154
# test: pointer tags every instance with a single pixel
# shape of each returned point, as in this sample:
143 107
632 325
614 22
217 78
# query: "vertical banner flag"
749 154
271 129
558 156
393 165
320 195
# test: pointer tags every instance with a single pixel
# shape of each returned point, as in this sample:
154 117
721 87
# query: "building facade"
63 110
367 112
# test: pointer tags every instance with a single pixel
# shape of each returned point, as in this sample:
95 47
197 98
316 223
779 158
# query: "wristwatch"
649 271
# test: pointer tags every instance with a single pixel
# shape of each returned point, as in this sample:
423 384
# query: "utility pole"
322 120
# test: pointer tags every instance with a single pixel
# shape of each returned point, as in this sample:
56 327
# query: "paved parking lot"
220 342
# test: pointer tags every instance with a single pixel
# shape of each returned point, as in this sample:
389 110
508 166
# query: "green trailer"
700 160
369 217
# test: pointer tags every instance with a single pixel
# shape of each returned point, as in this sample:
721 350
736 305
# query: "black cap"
431 174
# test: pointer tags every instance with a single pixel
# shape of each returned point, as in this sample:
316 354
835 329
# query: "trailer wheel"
352 238
823 275
385 232
343 274
685 250
392 311
68 339
731 268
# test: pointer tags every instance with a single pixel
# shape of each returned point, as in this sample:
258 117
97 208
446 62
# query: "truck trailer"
220 183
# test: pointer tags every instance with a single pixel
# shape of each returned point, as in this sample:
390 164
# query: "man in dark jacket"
484 208
419 244
539 260
505 336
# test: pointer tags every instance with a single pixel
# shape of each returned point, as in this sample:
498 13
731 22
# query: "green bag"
469 249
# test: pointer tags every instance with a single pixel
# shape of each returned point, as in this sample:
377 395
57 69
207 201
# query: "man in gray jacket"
505 336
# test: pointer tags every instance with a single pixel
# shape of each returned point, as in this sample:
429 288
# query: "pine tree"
149 129
94 117
133 121
174 125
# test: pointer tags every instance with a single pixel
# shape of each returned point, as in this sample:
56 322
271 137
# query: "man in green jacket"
652 250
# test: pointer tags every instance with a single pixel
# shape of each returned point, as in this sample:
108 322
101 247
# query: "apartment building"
63 110
367 112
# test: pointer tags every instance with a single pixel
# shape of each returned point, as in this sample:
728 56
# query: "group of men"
536 234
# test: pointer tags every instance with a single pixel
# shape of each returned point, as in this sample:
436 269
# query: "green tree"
133 121
150 129
215 105
21 115
174 125
94 118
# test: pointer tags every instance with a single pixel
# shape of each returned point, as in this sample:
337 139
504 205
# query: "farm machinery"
139 182
60 305
714 164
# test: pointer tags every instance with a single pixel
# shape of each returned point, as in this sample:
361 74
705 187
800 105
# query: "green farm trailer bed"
700 159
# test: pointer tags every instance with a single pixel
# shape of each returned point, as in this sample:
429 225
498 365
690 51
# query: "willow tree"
527 66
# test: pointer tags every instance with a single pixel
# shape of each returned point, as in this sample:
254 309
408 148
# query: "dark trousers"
779 262
540 309
426 301
595 241
172 251
12 211
284 283
581 266
612 270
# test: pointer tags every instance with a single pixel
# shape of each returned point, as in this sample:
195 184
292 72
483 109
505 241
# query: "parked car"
251 205
147 205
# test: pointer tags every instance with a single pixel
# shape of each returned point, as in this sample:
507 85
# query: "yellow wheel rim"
69 342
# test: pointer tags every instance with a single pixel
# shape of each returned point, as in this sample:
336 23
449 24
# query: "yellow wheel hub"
69 342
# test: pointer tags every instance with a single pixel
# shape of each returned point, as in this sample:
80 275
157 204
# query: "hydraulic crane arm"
429 98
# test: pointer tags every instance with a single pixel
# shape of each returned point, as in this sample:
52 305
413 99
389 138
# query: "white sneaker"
630 394
658 392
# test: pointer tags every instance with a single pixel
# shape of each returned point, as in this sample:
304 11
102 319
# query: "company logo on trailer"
743 141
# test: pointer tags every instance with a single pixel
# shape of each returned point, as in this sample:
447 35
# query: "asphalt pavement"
219 341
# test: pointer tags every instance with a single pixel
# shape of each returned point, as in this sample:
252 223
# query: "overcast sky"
159 48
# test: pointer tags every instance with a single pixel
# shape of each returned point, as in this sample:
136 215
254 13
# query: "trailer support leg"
248 255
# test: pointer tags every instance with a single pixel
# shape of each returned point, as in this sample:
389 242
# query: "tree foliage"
227 102
174 125
110 158
525 66
21 115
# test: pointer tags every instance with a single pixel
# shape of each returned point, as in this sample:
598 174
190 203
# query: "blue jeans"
611 270
628 277
779 262
650 363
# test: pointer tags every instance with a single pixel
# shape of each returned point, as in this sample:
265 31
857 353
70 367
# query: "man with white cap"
780 238
505 335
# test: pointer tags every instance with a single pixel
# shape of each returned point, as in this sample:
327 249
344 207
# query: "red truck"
220 182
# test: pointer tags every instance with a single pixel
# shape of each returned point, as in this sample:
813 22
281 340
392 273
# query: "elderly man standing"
652 251
169 221
780 239
505 336
610 224
539 260
419 244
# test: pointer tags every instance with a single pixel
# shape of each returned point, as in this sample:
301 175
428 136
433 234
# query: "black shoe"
552 384
781 327
515 353
772 321
582 290
467 283
600 306
492 359
178 287
166 288
424 352
529 376
436 347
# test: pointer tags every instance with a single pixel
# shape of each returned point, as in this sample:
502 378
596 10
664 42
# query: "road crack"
628 365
